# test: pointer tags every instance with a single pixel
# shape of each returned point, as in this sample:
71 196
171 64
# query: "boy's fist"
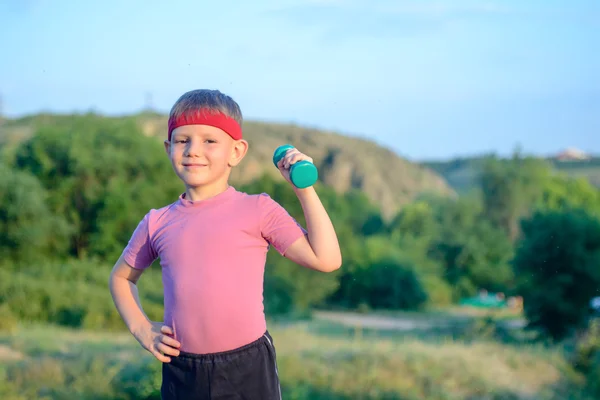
291 157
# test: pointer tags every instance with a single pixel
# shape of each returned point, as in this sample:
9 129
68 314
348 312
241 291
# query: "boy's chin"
192 181
197 184
200 183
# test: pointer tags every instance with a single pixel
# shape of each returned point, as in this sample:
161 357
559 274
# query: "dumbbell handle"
303 173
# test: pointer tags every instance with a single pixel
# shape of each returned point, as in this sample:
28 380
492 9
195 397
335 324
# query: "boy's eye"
187 141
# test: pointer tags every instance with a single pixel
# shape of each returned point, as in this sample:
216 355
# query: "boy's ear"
239 150
168 147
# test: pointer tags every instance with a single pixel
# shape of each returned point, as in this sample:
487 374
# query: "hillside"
462 173
344 162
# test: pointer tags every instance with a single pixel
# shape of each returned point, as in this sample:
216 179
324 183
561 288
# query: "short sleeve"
139 252
277 226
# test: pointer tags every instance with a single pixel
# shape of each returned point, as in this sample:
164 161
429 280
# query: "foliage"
391 285
583 353
586 357
557 263
450 240
510 188
562 192
101 175
8 321
71 293
475 254
28 228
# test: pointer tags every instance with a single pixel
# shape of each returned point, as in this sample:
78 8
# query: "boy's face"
203 155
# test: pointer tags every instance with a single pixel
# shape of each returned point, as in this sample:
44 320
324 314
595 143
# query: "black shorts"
248 372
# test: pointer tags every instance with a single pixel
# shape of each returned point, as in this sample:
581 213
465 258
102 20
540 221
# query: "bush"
439 292
290 288
586 358
557 262
28 229
387 283
73 293
8 321
278 298
393 286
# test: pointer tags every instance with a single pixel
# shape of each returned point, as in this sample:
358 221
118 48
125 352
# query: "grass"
415 369
317 360
463 323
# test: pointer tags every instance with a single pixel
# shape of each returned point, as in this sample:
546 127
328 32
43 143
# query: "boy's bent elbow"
330 269
331 266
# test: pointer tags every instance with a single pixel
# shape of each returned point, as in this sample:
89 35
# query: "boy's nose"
194 149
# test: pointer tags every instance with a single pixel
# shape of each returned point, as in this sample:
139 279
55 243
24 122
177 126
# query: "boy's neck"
200 193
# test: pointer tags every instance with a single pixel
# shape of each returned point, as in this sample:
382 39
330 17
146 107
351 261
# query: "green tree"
557 264
450 240
415 220
474 254
102 175
380 274
510 188
562 192
28 229
391 284
414 231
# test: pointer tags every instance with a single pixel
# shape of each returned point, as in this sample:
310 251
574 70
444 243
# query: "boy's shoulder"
256 199
155 215
251 196
260 204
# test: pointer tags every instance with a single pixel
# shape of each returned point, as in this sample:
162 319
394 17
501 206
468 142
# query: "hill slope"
344 162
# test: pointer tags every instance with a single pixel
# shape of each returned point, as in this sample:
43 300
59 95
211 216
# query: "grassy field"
318 359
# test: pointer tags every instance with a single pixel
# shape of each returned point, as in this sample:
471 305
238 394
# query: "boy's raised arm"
321 249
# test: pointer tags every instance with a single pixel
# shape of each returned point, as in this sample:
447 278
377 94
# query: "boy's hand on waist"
157 339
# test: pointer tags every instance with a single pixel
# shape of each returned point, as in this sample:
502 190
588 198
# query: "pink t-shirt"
213 254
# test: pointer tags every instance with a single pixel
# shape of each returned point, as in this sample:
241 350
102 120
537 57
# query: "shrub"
557 263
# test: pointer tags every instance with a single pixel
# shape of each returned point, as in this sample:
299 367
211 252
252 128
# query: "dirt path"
9 354
399 323
375 321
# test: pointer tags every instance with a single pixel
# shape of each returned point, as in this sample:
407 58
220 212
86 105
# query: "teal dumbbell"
303 173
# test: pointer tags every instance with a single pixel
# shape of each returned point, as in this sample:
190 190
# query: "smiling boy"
212 244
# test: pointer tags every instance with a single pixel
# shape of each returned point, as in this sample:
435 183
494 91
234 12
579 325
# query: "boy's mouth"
188 165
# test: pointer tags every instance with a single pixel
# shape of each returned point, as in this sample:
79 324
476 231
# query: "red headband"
207 117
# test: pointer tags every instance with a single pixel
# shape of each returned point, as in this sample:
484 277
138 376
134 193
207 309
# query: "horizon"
430 80
423 160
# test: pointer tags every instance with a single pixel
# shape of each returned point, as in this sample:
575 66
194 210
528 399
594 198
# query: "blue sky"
429 79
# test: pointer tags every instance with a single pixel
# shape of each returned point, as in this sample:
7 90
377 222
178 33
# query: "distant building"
572 154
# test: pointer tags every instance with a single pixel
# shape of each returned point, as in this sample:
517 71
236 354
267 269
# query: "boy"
212 244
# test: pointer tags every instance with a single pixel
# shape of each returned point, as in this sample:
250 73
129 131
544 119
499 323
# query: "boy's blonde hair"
206 99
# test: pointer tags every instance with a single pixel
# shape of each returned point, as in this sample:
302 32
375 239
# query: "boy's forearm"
321 233
127 301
